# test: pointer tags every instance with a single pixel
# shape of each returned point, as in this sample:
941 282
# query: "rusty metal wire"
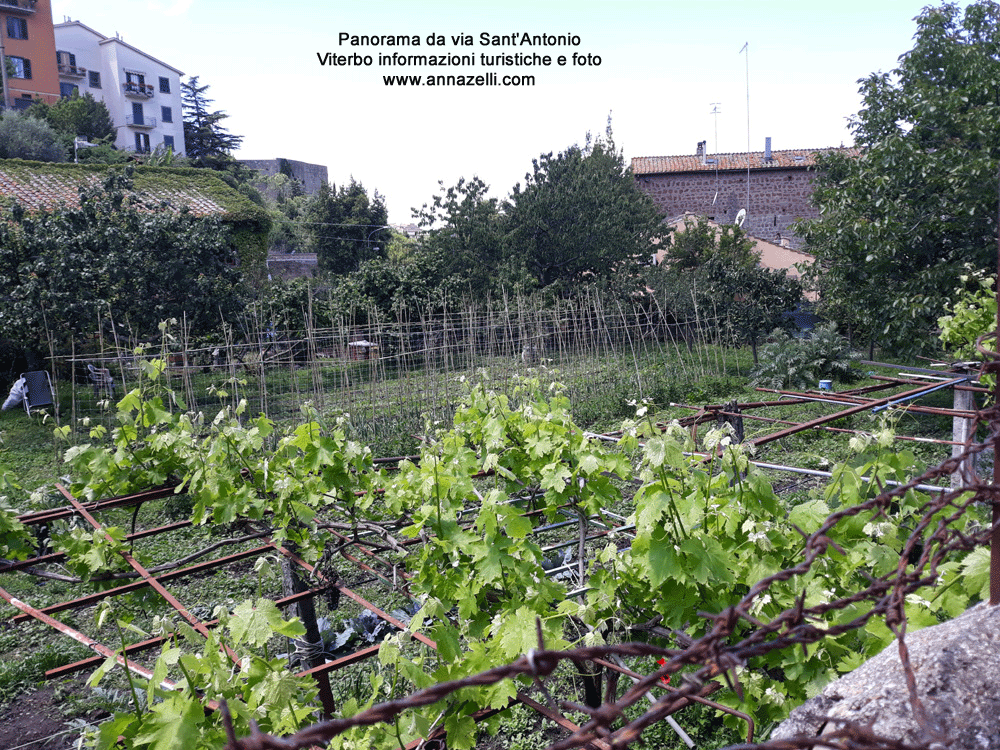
720 652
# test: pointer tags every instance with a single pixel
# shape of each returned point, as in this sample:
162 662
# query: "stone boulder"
957 669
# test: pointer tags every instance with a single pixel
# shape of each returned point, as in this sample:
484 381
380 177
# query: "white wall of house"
131 84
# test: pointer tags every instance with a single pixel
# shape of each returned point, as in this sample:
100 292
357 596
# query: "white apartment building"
142 93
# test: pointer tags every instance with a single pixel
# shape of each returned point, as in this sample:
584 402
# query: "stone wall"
310 175
287 266
778 198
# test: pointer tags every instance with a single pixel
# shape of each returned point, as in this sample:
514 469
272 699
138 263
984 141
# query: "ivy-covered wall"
38 185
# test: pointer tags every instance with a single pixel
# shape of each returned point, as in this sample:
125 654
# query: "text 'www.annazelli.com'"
484 79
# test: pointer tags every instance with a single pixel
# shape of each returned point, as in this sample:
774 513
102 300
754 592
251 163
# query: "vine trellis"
532 473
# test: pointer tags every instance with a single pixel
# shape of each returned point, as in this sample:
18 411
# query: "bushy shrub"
788 362
23 137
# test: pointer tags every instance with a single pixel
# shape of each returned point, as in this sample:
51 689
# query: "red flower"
664 680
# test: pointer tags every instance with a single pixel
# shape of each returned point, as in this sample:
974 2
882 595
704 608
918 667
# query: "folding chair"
38 390
102 381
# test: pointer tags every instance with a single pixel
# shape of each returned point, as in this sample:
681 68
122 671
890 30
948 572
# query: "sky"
668 73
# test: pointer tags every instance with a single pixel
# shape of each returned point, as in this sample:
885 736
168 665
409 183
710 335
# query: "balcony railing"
142 90
71 71
140 122
26 7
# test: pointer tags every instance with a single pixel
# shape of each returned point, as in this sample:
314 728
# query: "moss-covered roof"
40 186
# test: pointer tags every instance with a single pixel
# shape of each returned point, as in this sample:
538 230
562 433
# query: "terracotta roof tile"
45 186
787 159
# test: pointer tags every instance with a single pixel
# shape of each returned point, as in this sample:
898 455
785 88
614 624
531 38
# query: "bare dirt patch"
36 721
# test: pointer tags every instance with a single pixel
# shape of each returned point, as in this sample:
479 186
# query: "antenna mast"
715 113
746 48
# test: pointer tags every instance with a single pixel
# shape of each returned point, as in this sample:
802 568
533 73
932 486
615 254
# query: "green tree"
711 276
464 235
698 241
752 300
400 246
77 115
23 137
580 215
206 140
284 198
346 227
899 222
118 254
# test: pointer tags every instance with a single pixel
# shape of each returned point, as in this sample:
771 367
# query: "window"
24 102
142 143
66 58
95 79
21 65
164 85
135 83
168 142
66 89
166 114
137 115
17 28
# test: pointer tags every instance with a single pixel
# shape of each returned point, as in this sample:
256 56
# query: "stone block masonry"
778 198
310 175
716 186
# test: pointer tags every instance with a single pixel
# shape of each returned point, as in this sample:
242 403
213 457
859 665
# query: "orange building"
28 42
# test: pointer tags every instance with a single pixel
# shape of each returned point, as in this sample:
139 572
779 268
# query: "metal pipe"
911 396
571 542
828 475
772 420
848 399
817 473
830 418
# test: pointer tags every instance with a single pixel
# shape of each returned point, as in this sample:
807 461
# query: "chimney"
700 150
767 149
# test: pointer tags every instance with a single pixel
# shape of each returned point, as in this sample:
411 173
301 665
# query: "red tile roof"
788 159
37 186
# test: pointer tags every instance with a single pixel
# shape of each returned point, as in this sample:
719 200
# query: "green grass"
20 673
29 454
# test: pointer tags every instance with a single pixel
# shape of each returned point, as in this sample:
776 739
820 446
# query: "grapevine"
712 554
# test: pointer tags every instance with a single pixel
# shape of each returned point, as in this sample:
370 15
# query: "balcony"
70 71
136 90
19 7
143 123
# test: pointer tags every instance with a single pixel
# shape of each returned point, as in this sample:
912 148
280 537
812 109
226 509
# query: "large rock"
957 669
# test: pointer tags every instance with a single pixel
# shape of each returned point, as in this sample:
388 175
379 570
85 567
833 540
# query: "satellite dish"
741 217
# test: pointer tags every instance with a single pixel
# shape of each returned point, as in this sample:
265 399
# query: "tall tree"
347 227
464 235
580 215
900 221
206 140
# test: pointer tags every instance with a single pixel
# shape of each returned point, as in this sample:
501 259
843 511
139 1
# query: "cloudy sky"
665 65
